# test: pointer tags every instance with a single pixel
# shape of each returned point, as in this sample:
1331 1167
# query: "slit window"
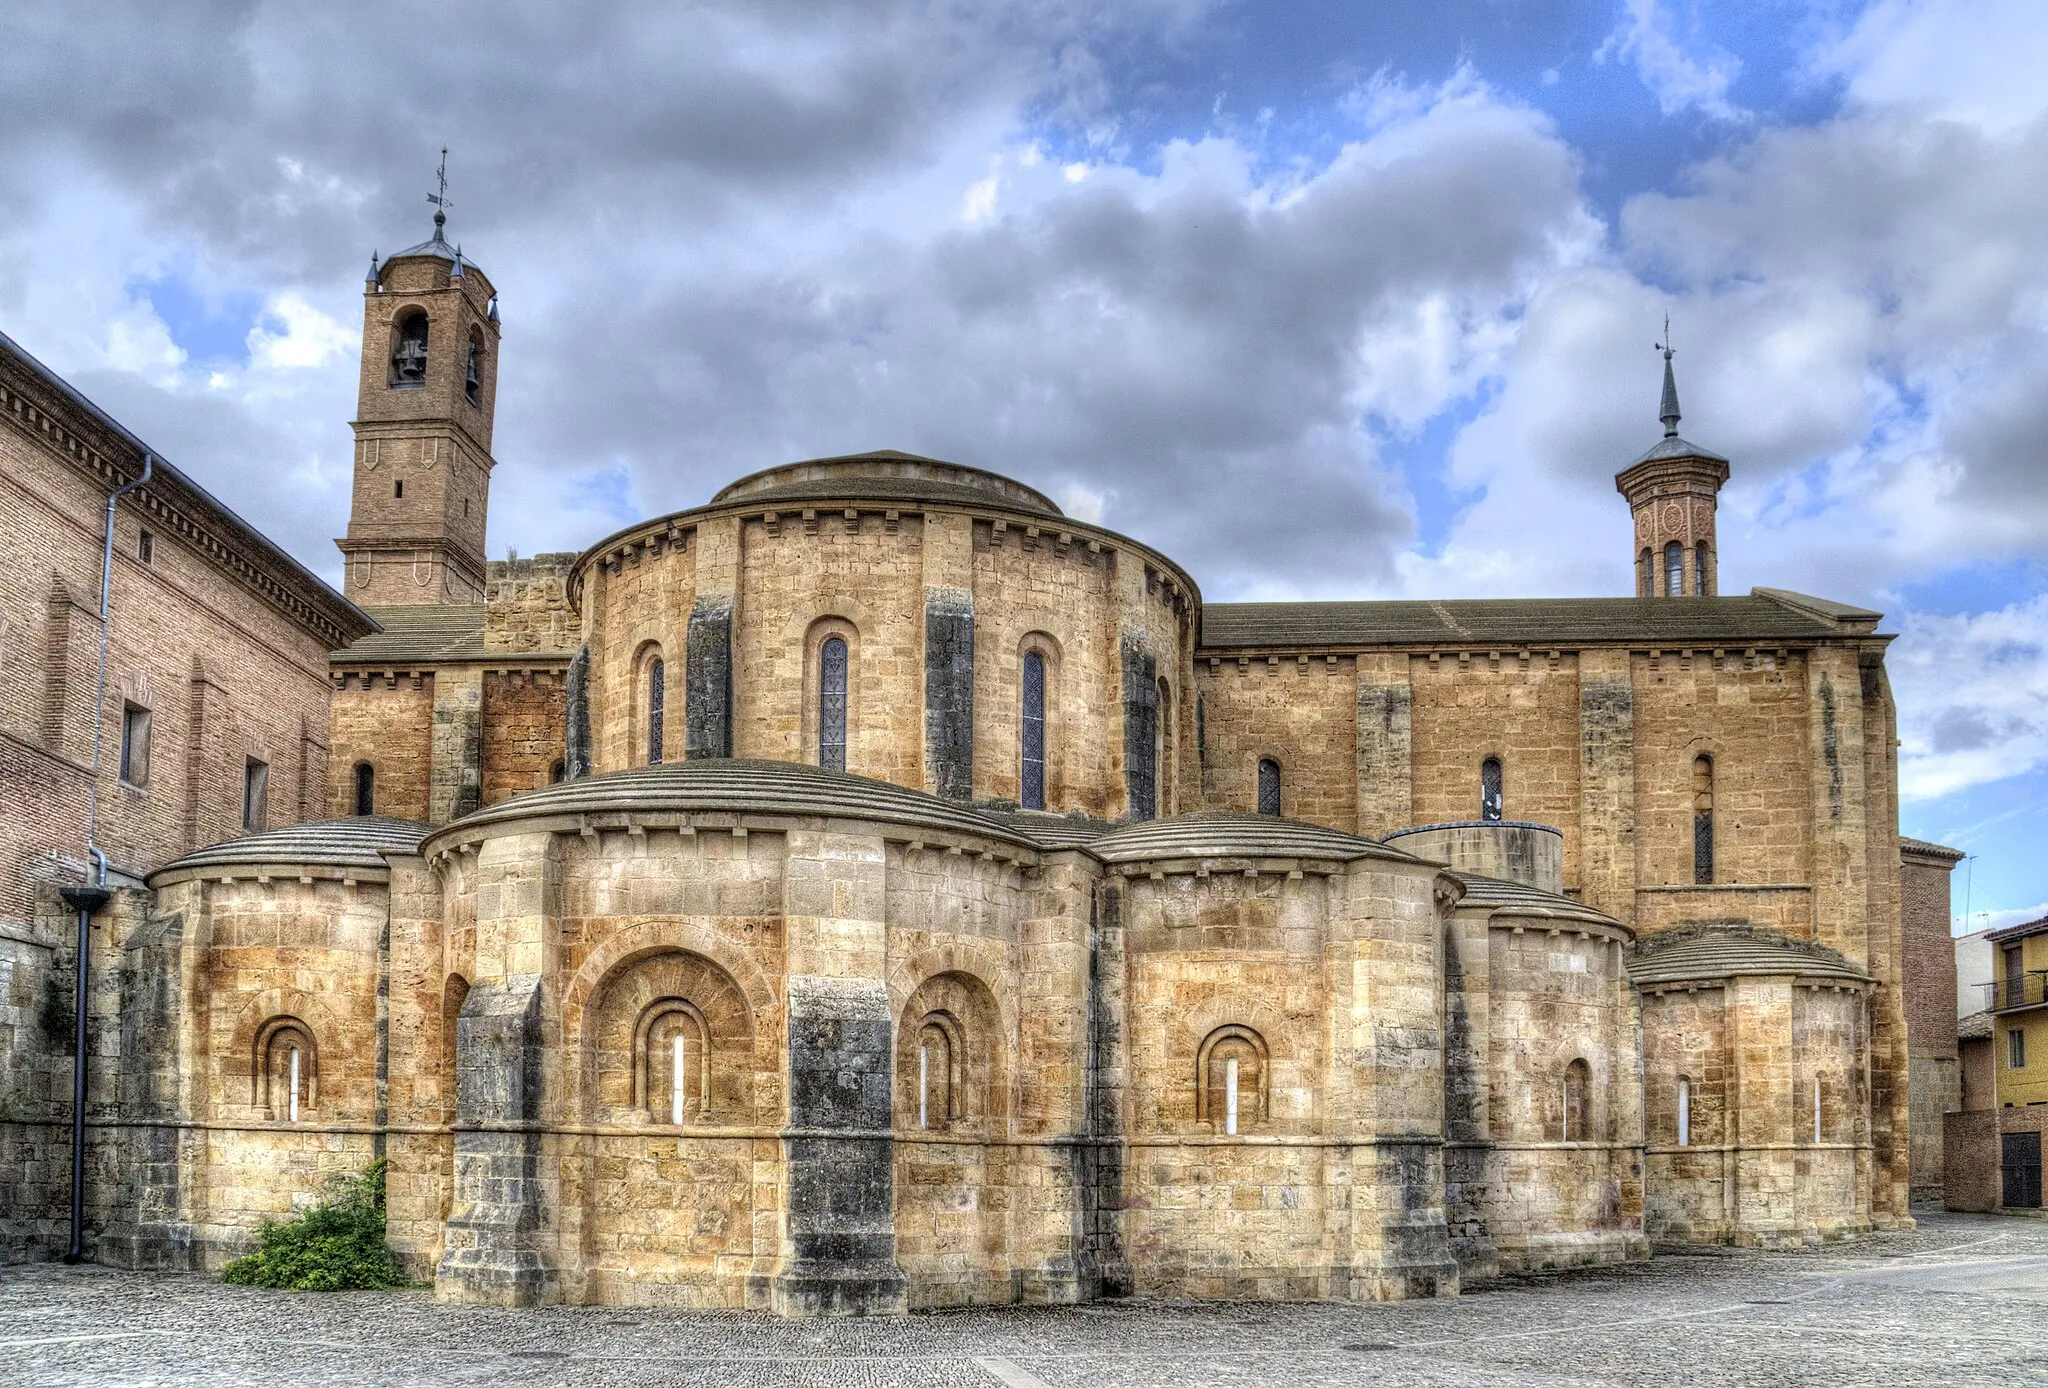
832 704
937 1055
1490 797
1674 570
657 699
1269 786
135 745
1684 1112
366 788
145 547
1031 790
1702 821
1816 1108
398 490
255 794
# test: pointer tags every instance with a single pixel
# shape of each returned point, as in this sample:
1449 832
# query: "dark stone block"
495 1247
576 688
707 681
949 691
841 1213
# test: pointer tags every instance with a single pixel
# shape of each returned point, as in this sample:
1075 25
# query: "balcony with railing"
2016 990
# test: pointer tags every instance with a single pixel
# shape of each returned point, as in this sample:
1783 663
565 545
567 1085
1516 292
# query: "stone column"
458 743
1386 746
1400 1244
708 655
839 1229
1762 1110
1607 783
949 655
500 1240
1891 1063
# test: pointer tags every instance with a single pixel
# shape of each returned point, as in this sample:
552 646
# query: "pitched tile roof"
424 635
1746 621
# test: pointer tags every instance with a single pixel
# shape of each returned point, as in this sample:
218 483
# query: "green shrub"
336 1245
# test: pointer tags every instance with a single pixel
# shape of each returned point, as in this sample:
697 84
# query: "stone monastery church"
874 889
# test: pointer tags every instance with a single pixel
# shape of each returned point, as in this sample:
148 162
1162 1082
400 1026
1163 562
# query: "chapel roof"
1501 897
359 841
1234 834
1701 952
743 786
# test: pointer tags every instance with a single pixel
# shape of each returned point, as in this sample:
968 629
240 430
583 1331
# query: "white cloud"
293 335
1979 61
1986 726
1681 80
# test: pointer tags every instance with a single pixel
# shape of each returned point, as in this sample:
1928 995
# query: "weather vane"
1664 346
440 200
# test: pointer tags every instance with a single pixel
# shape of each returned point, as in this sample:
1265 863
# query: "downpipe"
93 895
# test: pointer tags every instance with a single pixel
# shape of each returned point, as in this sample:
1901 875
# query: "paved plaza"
1961 1300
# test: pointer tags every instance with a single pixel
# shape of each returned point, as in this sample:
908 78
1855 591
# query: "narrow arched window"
1230 1080
1646 575
1031 792
1674 570
657 698
557 770
673 1045
832 704
1684 1112
287 1069
1699 569
409 351
1490 797
473 371
1702 820
1578 1085
366 788
1269 786
1816 1108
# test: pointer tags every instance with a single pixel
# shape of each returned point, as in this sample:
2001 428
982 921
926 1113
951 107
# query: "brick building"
876 888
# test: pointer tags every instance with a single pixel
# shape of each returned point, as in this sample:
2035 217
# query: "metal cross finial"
440 201
1664 346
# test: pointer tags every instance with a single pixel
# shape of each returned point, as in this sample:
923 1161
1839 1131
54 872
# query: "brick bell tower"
423 427
1672 491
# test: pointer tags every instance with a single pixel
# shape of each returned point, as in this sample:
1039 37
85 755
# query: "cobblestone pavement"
1961 1300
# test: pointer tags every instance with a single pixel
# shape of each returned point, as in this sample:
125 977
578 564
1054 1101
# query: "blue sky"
1326 300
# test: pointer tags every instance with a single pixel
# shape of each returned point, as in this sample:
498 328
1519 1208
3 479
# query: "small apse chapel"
875 889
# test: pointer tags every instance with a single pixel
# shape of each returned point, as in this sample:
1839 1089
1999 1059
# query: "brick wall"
226 672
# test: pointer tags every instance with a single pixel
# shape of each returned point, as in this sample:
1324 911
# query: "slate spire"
1668 410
